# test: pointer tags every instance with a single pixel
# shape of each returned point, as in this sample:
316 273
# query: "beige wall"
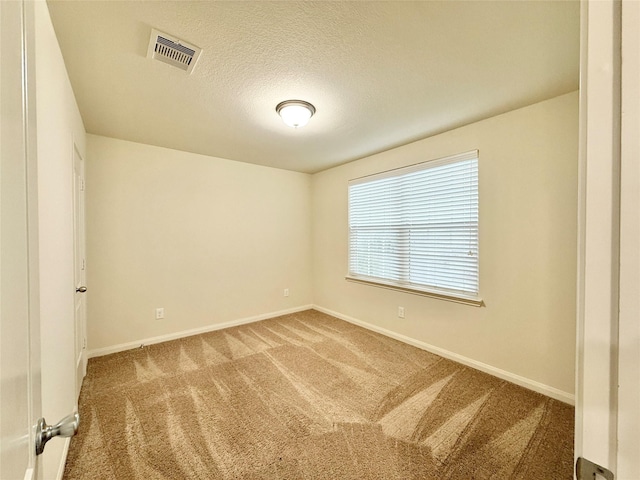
59 126
528 202
209 240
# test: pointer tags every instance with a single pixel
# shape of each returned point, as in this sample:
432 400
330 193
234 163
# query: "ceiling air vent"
171 50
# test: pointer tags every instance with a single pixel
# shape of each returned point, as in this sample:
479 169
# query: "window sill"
442 295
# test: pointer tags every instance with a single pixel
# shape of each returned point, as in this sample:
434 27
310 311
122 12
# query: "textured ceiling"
380 74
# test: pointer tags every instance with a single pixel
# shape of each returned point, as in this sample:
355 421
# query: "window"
416 228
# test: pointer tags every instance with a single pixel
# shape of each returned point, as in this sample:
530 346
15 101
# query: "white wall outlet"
286 292
400 312
159 313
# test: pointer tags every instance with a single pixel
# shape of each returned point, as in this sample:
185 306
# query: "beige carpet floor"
308 396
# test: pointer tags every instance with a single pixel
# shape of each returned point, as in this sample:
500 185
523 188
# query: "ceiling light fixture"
295 113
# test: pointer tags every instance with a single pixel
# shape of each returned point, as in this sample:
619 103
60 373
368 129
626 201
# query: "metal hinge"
586 470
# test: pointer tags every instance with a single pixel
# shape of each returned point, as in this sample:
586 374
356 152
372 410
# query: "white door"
19 321
79 268
608 378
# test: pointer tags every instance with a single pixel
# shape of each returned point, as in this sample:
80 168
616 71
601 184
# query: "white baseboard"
187 333
547 390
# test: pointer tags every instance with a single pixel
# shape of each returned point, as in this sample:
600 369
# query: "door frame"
607 424
628 428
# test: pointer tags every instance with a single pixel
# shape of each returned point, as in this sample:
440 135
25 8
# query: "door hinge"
82 185
83 264
586 470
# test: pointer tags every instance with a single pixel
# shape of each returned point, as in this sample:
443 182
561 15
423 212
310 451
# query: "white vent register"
173 51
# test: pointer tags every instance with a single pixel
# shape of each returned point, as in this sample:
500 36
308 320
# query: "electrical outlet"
286 292
400 312
159 313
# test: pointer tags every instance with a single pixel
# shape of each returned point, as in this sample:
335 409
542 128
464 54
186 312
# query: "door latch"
586 470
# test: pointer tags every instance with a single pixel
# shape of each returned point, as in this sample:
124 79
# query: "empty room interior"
387 291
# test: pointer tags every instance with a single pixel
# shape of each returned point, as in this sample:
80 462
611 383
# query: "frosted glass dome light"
295 113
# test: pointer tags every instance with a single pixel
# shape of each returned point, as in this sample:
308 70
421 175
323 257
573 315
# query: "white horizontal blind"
417 227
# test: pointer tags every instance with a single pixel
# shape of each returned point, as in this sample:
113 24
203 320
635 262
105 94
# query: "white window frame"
402 283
